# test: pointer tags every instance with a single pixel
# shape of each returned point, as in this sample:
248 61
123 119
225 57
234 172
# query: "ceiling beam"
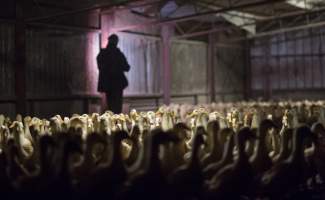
200 33
279 31
303 4
239 21
82 10
285 30
128 7
198 15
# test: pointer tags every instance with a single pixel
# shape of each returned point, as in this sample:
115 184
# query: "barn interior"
201 70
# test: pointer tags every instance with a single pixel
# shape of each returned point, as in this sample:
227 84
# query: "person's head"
113 40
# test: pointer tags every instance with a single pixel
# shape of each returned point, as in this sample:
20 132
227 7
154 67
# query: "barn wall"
294 63
59 63
189 70
230 66
63 64
7 84
6 60
143 55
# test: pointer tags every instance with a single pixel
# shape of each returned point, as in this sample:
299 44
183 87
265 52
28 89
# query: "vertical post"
166 33
20 59
211 66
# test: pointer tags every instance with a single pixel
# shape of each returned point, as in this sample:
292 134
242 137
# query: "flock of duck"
246 150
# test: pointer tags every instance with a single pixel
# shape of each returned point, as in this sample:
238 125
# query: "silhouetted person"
112 64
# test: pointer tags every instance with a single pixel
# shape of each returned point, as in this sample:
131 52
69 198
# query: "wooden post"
211 66
20 59
166 33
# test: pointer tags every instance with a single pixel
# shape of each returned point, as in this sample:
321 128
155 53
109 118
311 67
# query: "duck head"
265 126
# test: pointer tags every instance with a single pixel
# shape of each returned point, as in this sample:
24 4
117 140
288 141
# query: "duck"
149 182
4 135
285 146
235 179
187 180
107 178
136 145
61 182
214 147
291 172
2 120
179 149
14 171
6 189
56 124
260 160
140 162
319 153
273 141
25 145
227 155
36 183
82 169
27 121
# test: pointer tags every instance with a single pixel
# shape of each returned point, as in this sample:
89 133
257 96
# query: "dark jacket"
112 64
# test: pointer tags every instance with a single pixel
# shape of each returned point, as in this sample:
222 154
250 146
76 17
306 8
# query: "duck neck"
12 166
277 144
89 160
116 153
64 161
284 149
45 160
297 148
194 161
261 151
215 149
228 150
153 162
241 150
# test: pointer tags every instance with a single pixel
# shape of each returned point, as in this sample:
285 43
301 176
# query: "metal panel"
283 73
257 75
291 74
7 85
143 54
61 63
308 72
317 72
297 61
274 73
189 67
300 72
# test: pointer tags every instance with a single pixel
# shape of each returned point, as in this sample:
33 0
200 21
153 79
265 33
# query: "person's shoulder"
119 51
102 50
